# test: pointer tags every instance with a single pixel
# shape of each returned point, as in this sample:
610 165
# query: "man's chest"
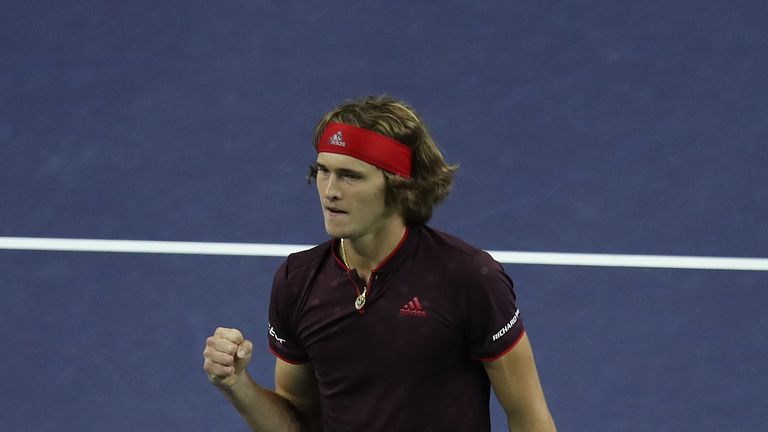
404 321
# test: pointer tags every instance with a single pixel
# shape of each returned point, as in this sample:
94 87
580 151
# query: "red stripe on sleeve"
511 347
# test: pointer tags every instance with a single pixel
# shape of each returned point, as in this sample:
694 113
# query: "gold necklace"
360 300
344 254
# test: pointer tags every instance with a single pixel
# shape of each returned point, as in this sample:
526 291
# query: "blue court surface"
581 127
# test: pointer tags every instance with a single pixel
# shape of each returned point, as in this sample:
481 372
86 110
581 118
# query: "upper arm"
516 383
297 383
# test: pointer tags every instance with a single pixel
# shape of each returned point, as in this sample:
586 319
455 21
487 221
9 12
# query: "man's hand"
226 355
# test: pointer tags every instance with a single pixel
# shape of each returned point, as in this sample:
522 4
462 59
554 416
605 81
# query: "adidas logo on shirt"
337 139
413 308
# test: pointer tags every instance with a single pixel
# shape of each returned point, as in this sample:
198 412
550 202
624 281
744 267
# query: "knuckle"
229 334
210 347
223 358
208 366
216 369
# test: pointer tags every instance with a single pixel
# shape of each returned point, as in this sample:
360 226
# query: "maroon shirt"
411 359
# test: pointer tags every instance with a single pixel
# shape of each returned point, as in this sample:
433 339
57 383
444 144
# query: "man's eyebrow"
318 165
349 171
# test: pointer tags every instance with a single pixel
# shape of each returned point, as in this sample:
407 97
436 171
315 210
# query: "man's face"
352 196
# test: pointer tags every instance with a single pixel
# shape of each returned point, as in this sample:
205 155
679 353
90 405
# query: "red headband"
368 146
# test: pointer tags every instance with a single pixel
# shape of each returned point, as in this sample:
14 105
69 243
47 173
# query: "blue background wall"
580 126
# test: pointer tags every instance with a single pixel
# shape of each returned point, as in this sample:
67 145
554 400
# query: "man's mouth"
335 210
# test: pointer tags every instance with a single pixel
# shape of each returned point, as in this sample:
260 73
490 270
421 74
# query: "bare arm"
298 385
292 407
516 383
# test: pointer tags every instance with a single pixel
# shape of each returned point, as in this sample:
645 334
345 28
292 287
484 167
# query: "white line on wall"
280 250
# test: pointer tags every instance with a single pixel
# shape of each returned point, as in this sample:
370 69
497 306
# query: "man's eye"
351 176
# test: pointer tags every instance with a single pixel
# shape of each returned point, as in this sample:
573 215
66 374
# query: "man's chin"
334 232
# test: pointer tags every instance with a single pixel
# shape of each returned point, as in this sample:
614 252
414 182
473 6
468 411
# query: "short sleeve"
494 321
282 332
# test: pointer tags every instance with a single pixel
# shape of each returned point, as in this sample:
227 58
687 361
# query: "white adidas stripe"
279 250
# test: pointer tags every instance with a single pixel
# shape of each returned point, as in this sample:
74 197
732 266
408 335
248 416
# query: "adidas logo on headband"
337 139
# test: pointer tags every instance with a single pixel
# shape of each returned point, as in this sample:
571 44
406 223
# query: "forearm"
263 409
540 422
516 384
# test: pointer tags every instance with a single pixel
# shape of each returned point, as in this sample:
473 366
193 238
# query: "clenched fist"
226 355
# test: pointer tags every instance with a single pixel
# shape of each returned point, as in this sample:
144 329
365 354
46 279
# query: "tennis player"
390 325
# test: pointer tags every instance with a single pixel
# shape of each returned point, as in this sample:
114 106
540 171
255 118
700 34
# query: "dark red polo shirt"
411 359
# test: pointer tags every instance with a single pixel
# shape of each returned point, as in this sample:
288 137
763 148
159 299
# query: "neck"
366 253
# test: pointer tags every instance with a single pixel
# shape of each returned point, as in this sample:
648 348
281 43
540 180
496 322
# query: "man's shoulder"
449 243
461 254
299 260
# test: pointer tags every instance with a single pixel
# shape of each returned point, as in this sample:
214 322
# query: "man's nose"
331 188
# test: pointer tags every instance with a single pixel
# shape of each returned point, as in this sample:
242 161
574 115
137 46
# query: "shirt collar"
393 260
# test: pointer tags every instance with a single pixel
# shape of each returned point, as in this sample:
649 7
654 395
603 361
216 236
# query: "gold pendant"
360 300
